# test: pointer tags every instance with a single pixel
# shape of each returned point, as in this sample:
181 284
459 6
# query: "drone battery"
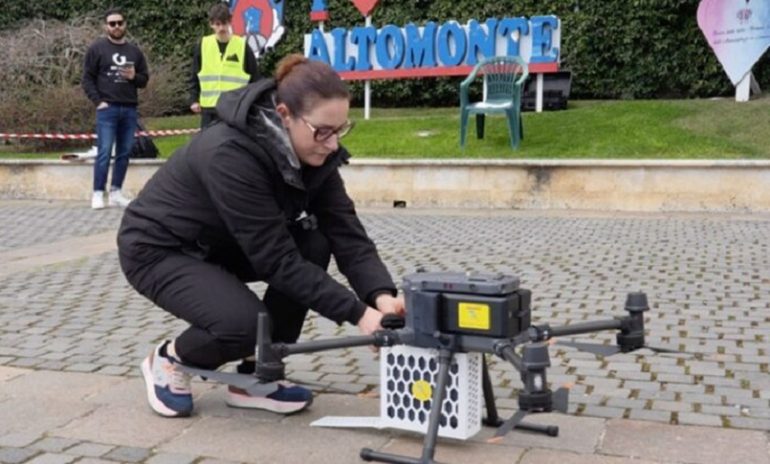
502 316
460 282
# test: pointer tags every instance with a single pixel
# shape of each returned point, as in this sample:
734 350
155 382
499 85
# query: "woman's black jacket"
232 195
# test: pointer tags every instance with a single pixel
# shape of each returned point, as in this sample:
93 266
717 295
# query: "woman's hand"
370 321
388 304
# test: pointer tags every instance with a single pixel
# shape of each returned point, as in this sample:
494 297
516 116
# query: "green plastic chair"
503 79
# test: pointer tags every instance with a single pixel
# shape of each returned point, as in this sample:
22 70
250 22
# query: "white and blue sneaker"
168 388
288 399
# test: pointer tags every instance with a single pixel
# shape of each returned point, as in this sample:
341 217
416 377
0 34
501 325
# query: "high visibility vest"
220 73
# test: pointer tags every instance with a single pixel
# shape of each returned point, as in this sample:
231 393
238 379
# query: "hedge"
642 49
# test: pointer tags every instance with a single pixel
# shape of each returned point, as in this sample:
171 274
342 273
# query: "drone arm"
378 338
506 351
546 332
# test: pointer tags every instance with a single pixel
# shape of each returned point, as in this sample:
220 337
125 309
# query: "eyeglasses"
115 23
324 133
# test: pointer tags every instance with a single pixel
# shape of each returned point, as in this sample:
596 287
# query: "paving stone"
685 387
19 439
16 455
541 456
603 411
721 410
54 444
128 454
348 387
114 370
692 418
51 458
171 458
215 461
650 415
625 403
338 378
750 423
90 449
656 395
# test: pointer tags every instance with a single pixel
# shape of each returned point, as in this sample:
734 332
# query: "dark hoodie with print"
233 193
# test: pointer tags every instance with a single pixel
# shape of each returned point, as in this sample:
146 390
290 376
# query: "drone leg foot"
550 430
368 454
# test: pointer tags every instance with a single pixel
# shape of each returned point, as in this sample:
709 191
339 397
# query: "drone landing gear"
494 420
537 401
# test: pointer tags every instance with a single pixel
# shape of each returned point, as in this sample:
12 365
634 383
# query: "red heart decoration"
365 6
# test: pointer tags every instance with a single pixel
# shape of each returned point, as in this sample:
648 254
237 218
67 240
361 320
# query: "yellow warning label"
473 316
422 390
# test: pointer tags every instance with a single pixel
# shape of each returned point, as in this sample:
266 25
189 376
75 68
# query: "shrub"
166 93
41 73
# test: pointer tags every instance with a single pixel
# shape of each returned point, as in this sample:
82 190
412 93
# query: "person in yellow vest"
222 61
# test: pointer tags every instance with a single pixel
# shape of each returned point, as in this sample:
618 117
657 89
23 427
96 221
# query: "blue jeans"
116 125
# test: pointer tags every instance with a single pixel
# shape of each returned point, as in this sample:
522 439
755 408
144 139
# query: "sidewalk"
61 417
72 334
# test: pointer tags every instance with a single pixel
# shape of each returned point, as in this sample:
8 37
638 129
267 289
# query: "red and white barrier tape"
150 133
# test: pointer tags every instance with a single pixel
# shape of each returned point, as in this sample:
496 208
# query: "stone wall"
737 186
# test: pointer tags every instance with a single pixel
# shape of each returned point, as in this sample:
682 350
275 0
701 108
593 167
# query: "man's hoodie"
232 196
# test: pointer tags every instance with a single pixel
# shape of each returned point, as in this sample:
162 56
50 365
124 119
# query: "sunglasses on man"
115 23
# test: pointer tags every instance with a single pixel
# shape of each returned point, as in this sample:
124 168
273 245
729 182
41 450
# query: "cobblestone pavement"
707 278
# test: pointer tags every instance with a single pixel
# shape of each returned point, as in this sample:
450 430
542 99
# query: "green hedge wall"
642 49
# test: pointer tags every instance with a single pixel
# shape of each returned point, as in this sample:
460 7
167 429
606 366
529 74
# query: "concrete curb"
739 186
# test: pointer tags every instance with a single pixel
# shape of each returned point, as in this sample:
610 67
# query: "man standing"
112 72
221 62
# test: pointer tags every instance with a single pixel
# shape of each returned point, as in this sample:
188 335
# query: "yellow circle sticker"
422 390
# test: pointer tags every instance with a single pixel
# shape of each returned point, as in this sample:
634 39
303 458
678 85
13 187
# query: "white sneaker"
117 199
97 199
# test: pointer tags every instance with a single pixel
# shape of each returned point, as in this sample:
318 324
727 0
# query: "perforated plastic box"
408 377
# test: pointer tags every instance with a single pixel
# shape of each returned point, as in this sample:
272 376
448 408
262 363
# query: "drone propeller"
609 350
559 402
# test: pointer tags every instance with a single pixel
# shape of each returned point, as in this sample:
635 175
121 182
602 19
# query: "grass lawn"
651 129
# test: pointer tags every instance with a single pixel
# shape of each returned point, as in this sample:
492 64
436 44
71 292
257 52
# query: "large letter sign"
447 49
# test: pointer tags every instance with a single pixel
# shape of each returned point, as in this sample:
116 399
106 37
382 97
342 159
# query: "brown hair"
220 12
302 82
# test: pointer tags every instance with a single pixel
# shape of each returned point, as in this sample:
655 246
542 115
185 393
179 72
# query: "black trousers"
221 309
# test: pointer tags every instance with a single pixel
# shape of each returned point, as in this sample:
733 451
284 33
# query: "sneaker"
97 199
288 399
168 389
117 199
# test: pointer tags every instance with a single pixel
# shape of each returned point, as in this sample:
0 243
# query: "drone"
433 359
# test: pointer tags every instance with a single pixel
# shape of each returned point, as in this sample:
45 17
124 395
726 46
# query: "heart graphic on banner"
737 31
365 6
